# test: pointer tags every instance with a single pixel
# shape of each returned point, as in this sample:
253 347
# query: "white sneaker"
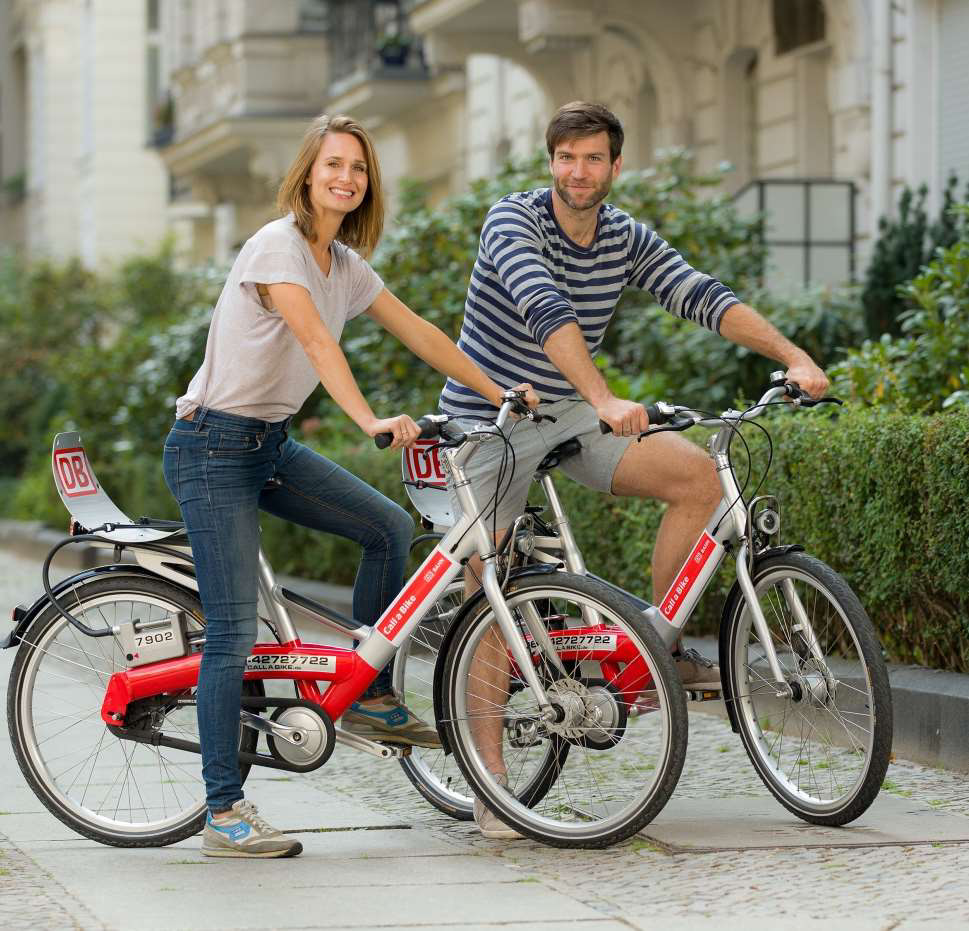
490 825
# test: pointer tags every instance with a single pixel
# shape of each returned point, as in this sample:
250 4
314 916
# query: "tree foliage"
904 245
926 368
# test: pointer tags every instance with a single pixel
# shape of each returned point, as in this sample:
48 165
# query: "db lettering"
72 470
425 464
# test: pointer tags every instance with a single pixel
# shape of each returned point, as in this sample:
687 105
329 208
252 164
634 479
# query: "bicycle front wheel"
111 790
822 751
619 727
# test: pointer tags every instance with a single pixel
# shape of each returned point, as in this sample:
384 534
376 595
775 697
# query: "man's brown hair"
579 119
361 228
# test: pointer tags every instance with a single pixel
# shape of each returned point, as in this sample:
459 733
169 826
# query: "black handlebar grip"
429 429
652 412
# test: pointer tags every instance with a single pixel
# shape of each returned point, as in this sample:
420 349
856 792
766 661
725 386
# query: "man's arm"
567 349
745 327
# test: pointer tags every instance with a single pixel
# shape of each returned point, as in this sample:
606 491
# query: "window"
797 23
809 229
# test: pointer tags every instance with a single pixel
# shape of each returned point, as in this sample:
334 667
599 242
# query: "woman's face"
338 177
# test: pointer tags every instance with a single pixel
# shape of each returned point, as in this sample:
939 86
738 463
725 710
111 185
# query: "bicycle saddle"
559 454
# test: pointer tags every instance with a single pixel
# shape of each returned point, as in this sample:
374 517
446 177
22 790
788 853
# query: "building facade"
75 116
824 108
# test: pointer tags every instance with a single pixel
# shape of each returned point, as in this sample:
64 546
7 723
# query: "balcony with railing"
377 66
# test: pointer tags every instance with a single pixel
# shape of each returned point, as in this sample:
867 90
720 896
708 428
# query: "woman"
274 335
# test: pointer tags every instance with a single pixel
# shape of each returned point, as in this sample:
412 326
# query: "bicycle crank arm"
291 735
383 751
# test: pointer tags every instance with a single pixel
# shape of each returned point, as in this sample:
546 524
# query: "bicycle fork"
802 624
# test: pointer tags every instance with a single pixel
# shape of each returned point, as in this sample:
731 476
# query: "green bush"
927 367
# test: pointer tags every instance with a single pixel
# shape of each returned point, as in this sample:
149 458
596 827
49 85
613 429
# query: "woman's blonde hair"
361 228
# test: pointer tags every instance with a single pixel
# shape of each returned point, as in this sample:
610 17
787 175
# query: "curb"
931 706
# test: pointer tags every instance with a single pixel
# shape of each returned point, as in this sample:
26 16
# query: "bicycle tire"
841 722
93 602
650 746
433 772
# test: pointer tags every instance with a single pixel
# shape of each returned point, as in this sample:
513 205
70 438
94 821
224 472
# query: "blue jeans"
222 469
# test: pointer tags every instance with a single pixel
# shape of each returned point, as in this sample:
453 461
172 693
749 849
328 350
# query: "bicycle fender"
23 616
729 606
463 611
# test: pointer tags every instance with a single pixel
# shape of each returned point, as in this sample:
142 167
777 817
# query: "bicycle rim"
594 795
434 773
824 750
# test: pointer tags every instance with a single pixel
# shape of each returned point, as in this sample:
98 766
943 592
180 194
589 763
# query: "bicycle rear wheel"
432 771
621 728
111 790
822 752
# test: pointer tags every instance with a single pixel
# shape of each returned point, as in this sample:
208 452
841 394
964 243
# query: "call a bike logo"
417 591
688 575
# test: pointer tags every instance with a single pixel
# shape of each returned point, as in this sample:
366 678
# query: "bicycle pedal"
703 694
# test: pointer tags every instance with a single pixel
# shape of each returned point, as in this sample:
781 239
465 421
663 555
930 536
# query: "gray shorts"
593 467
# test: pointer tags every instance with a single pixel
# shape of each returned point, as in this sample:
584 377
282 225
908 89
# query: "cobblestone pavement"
636 883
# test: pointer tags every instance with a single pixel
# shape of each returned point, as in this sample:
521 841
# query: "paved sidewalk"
377 856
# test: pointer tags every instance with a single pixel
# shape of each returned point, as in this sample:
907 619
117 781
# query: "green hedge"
882 497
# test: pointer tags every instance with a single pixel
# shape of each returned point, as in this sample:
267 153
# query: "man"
551 267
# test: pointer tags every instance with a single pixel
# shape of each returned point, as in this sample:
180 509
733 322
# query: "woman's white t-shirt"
254 365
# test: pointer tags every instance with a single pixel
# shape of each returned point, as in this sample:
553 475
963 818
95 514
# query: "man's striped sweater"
529 279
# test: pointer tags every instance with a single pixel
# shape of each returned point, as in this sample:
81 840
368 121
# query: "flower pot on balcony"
393 51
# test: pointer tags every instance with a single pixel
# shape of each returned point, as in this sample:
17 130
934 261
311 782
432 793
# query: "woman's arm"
296 307
429 343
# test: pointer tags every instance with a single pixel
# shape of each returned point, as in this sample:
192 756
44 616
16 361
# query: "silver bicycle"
101 700
803 677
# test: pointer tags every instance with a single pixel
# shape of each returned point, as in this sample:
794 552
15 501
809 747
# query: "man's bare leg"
488 683
680 474
666 467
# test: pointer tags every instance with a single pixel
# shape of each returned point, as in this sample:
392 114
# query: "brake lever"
813 402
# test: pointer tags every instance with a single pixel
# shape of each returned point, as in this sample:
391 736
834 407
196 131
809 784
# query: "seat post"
276 610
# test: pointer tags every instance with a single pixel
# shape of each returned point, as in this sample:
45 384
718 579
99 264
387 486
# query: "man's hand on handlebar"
626 418
808 377
403 429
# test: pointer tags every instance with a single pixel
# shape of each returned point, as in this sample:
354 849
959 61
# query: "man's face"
582 171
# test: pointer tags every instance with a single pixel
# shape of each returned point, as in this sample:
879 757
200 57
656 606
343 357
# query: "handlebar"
433 425
669 417
430 427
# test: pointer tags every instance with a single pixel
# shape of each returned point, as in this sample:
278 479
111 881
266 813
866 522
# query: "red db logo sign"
73 473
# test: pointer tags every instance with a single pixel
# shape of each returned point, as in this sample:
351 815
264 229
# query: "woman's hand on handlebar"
403 429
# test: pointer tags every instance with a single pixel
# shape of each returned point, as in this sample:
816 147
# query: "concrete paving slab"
174 888
697 825
587 924
661 922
